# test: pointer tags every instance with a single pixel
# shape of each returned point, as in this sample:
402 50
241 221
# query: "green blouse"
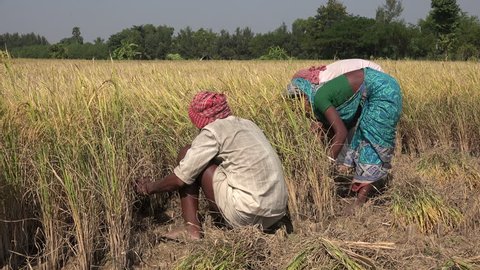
333 93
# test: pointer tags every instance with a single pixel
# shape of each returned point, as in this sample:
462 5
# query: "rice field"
75 134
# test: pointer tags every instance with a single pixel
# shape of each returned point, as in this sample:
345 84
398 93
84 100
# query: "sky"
54 19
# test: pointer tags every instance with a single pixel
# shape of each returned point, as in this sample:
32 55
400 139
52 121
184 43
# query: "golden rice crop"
75 134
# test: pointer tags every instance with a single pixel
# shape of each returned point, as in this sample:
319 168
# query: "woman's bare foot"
362 197
351 209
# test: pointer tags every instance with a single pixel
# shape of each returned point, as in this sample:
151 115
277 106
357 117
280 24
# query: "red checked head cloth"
206 107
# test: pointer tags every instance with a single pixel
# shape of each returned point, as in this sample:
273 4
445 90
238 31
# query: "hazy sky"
55 19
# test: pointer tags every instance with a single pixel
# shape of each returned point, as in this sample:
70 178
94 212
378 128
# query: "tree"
242 38
280 37
303 38
224 46
329 14
392 40
348 38
275 53
445 15
98 41
467 44
425 39
162 40
204 41
140 32
58 51
32 51
173 56
127 51
184 44
195 44
76 35
332 13
150 42
389 12
15 40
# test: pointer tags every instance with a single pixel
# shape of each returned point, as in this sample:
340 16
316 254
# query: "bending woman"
368 99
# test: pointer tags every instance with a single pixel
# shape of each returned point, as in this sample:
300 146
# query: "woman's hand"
343 170
339 129
316 127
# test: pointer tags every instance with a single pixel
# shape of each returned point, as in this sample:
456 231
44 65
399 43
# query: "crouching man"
233 163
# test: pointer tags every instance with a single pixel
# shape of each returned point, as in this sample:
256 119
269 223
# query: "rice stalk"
299 262
447 165
53 241
81 202
461 264
422 207
17 220
339 253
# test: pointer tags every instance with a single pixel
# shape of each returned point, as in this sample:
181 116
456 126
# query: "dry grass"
74 135
450 165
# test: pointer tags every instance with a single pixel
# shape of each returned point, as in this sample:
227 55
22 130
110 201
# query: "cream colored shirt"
252 166
340 67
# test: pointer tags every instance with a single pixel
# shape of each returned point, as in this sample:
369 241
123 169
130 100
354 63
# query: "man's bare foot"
184 233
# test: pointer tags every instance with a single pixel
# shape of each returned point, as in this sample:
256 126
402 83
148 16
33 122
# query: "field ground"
75 134
372 238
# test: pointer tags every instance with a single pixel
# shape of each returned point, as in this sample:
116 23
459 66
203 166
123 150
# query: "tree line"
445 33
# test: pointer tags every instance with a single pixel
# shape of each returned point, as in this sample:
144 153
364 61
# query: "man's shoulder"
229 124
230 120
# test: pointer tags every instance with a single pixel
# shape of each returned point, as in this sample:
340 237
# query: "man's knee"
182 153
206 181
208 173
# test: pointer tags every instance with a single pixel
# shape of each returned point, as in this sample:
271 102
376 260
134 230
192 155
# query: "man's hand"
147 186
141 186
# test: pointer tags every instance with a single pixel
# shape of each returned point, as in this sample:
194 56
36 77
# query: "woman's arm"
339 129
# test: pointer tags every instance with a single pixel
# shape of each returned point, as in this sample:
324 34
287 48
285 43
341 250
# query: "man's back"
254 170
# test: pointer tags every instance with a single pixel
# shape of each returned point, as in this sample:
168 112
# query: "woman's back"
340 67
